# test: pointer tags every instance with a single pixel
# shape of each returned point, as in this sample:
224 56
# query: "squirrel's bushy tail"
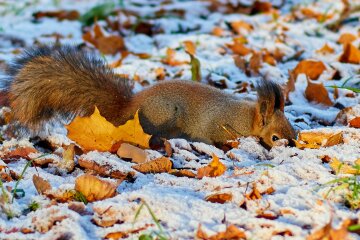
48 81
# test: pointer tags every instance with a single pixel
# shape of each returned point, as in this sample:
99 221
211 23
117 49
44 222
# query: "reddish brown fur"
48 81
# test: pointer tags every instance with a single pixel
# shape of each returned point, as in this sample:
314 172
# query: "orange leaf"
214 169
351 54
93 188
219 197
160 73
158 165
137 155
96 133
268 58
355 122
313 69
317 93
255 194
170 58
326 49
239 26
317 139
231 232
217 31
41 185
329 233
255 62
347 38
239 48
110 44
190 47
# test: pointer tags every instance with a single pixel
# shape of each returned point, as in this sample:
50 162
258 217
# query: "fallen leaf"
240 27
116 235
329 233
190 47
41 184
239 48
137 155
317 93
254 194
231 232
355 122
268 58
316 140
290 85
170 58
160 73
94 189
347 38
219 198
214 169
255 62
104 169
343 168
17 153
96 133
182 173
217 31
351 54
311 68
326 49
158 165
60 15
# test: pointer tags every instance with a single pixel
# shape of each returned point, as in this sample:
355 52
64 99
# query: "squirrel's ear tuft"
270 98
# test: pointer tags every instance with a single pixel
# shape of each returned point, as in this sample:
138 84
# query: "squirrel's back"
50 81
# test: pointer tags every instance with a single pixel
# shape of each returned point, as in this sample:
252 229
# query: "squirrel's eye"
274 138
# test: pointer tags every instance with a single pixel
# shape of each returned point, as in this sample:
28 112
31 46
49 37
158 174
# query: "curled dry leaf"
158 165
351 54
41 185
96 133
182 173
231 232
254 194
317 93
343 168
355 122
17 153
328 232
311 68
104 170
219 197
214 169
137 155
318 139
94 189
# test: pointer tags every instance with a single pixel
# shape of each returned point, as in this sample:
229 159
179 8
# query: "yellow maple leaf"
96 133
214 169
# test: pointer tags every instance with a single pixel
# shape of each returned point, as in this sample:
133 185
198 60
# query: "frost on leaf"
158 165
214 169
96 133
231 232
318 139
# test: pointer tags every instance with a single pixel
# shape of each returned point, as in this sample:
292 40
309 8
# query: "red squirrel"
49 81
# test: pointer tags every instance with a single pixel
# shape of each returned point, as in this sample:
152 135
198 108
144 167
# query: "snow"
299 177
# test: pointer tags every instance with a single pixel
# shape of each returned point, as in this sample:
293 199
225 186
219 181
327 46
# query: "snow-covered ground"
301 201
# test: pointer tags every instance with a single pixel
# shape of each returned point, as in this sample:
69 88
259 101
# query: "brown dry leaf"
60 15
96 133
190 47
310 13
255 194
261 7
347 38
116 235
170 58
351 54
214 169
239 48
219 198
268 58
316 140
217 31
317 93
19 152
255 62
329 233
107 44
355 122
231 232
137 155
342 168
313 69
41 185
290 85
158 165
160 73
104 170
326 49
93 188
239 26
182 173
